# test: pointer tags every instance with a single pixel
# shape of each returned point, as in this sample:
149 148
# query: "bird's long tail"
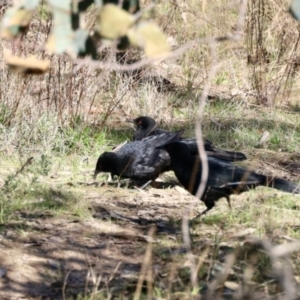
282 185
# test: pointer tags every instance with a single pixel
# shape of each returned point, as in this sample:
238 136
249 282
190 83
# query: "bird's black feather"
138 160
146 126
224 179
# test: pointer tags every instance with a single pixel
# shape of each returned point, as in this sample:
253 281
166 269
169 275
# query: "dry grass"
259 69
69 239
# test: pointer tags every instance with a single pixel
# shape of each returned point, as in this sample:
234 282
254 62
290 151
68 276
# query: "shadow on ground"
53 257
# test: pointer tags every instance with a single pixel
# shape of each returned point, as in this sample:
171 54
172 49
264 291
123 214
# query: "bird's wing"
143 165
223 174
157 140
148 159
139 157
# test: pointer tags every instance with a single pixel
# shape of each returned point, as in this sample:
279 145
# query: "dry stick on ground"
221 277
282 268
96 280
27 163
146 264
114 273
187 243
65 284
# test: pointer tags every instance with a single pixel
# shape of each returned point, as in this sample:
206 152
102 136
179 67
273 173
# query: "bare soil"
47 257
40 254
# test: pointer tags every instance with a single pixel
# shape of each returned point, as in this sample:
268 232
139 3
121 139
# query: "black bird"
146 126
224 179
138 160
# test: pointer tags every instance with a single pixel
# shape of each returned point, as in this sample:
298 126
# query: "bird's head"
105 163
143 122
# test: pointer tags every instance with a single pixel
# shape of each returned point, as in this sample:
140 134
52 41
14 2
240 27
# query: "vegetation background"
64 236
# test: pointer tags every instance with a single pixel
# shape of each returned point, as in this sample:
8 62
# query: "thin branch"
198 132
181 50
145 265
188 247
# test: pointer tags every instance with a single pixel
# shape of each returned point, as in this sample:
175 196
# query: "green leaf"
63 38
17 18
27 4
150 37
295 9
62 33
78 42
113 22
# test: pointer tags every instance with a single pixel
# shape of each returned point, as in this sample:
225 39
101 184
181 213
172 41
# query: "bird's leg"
196 219
229 203
203 213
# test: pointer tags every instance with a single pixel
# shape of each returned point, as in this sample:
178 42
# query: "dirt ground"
55 252
46 257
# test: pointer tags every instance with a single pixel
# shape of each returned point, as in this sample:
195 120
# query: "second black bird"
146 126
224 179
139 160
